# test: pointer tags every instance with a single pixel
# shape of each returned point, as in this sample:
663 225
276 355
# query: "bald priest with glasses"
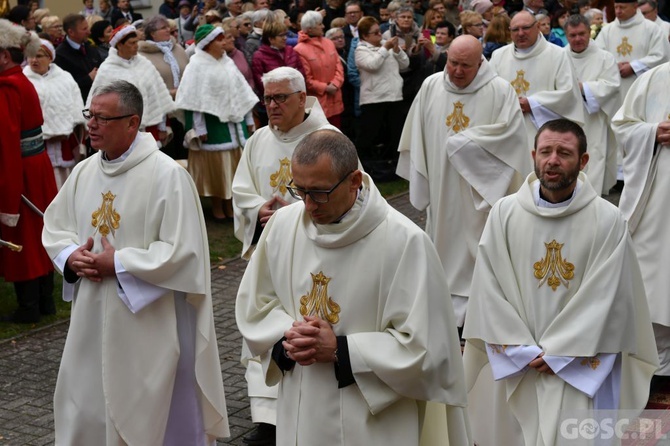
140 363
347 305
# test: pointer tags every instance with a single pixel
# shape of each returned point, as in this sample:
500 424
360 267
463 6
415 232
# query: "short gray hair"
575 20
405 8
651 3
259 16
310 19
339 148
540 16
130 98
295 79
229 2
152 24
591 13
332 31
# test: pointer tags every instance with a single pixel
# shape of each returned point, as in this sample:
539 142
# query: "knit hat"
119 33
16 36
48 46
205 34
481 6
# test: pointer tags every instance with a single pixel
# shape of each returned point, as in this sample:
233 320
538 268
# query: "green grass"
222 246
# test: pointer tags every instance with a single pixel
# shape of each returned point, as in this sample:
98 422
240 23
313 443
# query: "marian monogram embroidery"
625 48
498 348
520 84
318 303
591 362
553 269
106 219
281 178
457 119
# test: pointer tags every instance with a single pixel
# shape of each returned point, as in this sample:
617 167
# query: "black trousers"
35 297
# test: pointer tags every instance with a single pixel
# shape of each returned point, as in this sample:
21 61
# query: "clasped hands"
540 365
93 266
310 341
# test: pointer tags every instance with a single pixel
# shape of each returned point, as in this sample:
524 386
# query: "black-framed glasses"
522 28
317 196
102 120
278 98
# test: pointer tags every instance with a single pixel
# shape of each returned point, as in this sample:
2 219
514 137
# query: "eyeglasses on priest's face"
102 120
317 196
278 98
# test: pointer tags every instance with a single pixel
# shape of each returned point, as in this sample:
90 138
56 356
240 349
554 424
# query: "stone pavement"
29 364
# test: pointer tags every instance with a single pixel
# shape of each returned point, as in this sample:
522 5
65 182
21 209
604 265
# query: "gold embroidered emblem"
591 362
625 48
457 120
553 268
318 303
106 219
520 84
498 348
281 178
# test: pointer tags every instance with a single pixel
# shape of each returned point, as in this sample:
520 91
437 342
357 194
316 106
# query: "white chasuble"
638 41
462 150
597 70
643 199
377 279
545 76
117 375
265 170
563 280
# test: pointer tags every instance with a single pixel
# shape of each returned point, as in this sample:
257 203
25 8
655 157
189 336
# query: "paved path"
29 364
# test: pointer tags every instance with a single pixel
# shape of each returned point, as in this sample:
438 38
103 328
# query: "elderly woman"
231 33
101 32
218 103
53 26
273 53
123 63
347 118
472 23
382 112
61 103
324 75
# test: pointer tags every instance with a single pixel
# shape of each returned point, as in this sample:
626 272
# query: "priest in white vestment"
557 320
541 75
642 128
464 146
140 364
260 188
649 9
347 304
600 83
637 44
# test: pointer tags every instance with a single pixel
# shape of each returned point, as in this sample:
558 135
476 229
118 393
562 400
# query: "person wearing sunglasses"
344 302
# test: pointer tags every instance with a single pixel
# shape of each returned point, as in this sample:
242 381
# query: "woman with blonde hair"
430 20
497 34
53 26
472 23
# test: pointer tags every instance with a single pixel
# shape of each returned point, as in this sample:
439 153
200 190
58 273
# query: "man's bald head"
524 29
465 58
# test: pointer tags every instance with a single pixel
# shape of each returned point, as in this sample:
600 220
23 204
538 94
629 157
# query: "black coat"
78 65
117 14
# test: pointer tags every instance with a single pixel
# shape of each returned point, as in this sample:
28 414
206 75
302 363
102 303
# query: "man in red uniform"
25 170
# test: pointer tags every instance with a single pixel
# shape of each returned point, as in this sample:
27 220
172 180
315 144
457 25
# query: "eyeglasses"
522 28
278 98
480 25
375 33
246 24
317 196
354 12
102 120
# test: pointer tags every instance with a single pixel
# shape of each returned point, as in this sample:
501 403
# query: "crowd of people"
285 114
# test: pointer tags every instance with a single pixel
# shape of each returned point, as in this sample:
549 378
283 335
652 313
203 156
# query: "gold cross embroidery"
318 303
591 362
106 219
520 84
281 178
457 120
553 269
625 48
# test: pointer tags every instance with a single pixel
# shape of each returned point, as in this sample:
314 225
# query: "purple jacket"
267 59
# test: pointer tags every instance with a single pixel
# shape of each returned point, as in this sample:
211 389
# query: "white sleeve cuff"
60 261
540 114
509 360
135 292
638 67
10 220
584 374
591 103
199 123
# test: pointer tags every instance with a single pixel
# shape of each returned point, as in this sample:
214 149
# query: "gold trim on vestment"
553 268
624 48
106 219
457 120
520 84
282 177
318 303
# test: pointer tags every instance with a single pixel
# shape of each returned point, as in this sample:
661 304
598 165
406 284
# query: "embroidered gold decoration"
497 348
318 303
106 219
553 268
281 178
520 84
591 362
624 48
457 119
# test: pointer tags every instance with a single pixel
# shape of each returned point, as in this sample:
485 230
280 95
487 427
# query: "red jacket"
267 59
322 66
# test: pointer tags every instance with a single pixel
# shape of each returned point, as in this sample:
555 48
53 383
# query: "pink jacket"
322 66
266 59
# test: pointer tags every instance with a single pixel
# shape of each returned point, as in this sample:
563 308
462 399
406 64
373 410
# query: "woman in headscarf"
218 103
61 103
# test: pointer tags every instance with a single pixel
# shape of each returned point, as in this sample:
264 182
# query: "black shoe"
22 317
264 435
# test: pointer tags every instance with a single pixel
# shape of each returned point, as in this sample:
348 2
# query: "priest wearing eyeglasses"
347 305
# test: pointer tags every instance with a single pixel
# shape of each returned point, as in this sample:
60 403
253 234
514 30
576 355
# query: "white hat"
119 33
51 51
